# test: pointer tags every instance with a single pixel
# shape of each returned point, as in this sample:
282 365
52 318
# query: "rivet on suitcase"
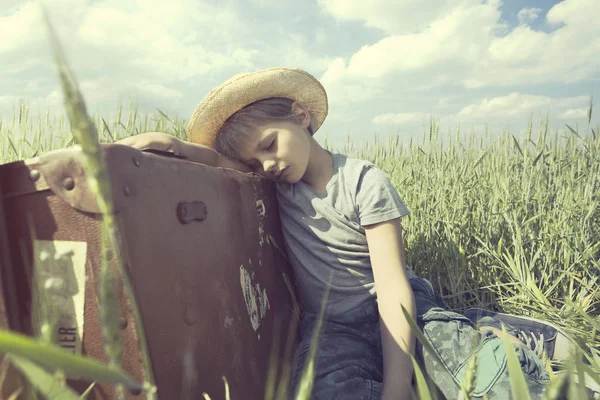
204 251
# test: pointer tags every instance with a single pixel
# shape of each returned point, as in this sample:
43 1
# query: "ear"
302 115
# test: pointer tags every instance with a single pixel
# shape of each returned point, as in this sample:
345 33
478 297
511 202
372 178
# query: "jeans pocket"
490 365
453 339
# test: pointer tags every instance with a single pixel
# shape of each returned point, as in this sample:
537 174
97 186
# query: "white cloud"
517 48
400 118
515 106
528 15
17 27
573 12
160 40
391 16
152 38
443 102
441 54
463 46
296 55
574 113
413 57
148 49
8 101
158 90
342 89
52 102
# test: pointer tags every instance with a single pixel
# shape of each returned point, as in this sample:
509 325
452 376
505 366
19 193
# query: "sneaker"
538 335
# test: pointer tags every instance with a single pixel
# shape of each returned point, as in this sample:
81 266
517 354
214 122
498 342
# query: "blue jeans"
349 361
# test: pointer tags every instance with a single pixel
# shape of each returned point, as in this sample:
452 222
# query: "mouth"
282 172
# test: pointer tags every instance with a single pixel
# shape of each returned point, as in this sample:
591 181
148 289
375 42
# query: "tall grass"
511 225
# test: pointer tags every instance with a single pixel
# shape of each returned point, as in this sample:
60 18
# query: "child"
341 225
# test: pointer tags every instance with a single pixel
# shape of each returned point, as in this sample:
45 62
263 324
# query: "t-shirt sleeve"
377 200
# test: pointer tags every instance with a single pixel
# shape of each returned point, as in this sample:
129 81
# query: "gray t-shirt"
324 235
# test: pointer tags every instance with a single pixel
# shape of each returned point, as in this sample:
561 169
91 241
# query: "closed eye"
271 144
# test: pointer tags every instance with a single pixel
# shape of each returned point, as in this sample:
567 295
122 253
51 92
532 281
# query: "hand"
153 140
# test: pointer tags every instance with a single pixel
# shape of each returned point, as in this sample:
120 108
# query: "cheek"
305 146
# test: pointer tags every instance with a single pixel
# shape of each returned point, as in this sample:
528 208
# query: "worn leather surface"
53 170
9 382
213 293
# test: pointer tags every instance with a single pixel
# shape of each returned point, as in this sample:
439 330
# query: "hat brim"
243 89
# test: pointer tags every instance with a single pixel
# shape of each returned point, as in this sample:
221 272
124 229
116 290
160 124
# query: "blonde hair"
238 128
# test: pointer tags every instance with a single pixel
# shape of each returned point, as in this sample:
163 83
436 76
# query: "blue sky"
387 65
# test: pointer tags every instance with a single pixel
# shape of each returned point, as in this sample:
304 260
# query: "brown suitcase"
204 251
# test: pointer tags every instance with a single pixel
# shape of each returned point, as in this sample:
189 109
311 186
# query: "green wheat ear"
518 385
85 134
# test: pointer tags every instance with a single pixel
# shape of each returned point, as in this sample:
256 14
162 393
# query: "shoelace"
534 341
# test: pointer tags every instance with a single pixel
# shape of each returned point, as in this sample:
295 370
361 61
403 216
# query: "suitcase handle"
191 211
164 153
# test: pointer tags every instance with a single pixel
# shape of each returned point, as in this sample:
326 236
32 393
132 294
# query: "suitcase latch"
191 211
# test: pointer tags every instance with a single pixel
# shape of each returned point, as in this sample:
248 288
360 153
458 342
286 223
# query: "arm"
191 151
393 289
208 156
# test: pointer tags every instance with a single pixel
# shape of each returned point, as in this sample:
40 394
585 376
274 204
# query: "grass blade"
108 130
517 144
538 157
573 131
557 387
578 388
165 116
55 358
307 377
49 385
517 380
480 159
422 387
12 146
589 110
84 130
16 394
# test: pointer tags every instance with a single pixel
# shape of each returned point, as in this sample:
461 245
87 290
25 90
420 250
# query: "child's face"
279 151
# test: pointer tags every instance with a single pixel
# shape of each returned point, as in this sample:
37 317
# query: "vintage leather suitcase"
204 252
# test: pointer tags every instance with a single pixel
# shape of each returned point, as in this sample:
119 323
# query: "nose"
269 165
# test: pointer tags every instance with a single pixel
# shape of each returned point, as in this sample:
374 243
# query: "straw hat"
243 89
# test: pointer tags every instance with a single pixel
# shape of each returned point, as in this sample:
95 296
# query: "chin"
291 181
287 179
291 178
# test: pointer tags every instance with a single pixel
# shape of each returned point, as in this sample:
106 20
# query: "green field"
513 225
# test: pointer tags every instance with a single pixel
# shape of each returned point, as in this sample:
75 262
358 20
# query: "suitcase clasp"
191 211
